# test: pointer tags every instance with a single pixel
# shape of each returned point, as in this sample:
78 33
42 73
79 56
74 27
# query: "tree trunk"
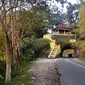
15 40
8 65
8 59
8 49
16 50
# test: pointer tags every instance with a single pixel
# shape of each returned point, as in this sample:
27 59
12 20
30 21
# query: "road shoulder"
44 72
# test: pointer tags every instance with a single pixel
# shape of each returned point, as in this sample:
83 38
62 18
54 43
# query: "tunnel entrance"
67 51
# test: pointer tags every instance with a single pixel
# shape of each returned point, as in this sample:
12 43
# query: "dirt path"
45 73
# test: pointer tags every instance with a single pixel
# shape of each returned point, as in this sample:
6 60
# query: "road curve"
72 71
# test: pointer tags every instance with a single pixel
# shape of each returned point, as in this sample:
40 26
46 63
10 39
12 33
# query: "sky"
73 1
53 4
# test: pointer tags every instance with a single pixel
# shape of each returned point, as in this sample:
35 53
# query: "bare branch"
25 34
11 8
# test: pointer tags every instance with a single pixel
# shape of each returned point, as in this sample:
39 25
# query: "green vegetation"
17 37
31 48
2 46
81 32
22 75
41 47
21 33
82 21
81 46
30 26
26 48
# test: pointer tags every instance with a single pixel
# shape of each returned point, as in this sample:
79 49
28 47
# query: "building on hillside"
63 29
64 33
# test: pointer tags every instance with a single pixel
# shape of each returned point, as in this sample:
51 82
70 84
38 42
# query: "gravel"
45 72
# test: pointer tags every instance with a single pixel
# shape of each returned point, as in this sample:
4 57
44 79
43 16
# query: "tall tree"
55 12
82 1
10 11
7 20
82 21
72 13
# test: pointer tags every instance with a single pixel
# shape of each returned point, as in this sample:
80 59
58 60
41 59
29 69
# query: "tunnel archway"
66 47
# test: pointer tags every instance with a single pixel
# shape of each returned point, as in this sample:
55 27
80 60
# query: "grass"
22 76
81 58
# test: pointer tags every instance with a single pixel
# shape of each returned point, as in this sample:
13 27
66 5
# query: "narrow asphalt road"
72 71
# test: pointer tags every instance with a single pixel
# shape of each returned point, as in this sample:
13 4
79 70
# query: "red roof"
64 26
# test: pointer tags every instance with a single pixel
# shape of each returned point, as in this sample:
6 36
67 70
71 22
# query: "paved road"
72 71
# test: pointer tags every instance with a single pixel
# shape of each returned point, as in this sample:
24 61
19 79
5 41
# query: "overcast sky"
52 4
73 1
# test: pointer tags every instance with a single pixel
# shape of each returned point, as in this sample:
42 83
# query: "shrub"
32 48
26 48
41 47
81 46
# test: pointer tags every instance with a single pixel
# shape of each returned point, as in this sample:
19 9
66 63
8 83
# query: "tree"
56 13
7 20
32 21
81 30
15 28
72 13
82 1
2 46
82 21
